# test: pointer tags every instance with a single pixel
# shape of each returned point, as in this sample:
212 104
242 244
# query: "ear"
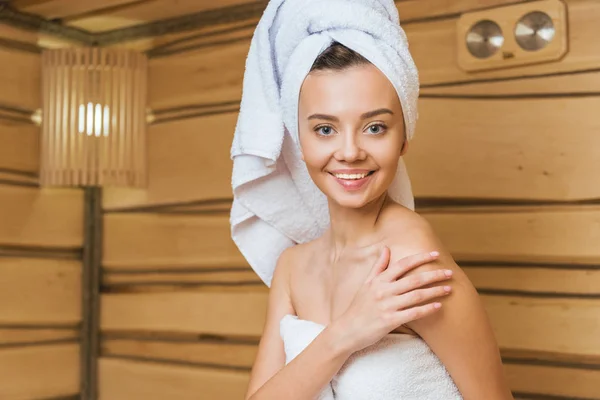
404 148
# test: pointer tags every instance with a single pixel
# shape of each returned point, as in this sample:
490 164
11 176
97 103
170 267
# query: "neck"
353 227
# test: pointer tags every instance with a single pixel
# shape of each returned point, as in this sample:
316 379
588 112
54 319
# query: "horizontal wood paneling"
570 383
517 234
526 234
41 218
502 149
555 325
519 156
39 372
22 336
198 76
187 160
433 46
51 9
20 79
572 84
164 276
418 9
145 11
520 323
533 279
20 146
212 312
139 241
203 352
38 291
126 380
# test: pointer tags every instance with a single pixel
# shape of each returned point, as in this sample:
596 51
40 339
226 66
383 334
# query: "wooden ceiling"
105 15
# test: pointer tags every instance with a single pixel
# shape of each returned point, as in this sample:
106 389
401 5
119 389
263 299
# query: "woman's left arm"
460 334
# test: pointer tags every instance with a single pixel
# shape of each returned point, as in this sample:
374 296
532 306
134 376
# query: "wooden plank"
38 372
22 336
221 353
502 149
38 291
20 79
411 10
140 12
41 218
520 156
210 277
169 241
512 234
19 146
217 313
433 46
561 85
553 381
126 380
198 76
566 235
554 325
536 279
16 34
178 155
52 9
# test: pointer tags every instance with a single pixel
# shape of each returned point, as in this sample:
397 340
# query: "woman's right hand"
387 300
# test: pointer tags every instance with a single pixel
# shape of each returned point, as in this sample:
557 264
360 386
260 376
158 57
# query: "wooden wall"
503 165
40 244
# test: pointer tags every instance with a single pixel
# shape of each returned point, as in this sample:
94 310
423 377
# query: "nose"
350 149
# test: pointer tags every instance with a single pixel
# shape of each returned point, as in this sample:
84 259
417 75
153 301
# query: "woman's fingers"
402 266
414 313
408 283
418 296
380 265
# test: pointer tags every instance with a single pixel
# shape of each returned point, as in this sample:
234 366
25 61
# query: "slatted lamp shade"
93 117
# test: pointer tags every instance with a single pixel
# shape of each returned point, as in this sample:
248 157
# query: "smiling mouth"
352 177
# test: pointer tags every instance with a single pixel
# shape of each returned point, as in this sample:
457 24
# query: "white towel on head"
275 202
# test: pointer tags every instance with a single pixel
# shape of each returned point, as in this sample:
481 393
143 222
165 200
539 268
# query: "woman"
355 312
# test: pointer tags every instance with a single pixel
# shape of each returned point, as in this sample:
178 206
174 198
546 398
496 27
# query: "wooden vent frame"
510 54
93 117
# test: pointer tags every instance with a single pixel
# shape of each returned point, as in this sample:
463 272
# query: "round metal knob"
484 39
534 31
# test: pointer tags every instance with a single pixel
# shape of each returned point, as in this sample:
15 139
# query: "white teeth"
351 176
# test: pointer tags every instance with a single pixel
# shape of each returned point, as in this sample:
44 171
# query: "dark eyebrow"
366 115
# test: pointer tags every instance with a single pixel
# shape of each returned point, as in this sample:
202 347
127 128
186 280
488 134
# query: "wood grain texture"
560 234
502 149
571 84
41 218
208 353
19 146
411 10
39 372
126 380
38 291
187 160
145 11
164 276
532 279
20 79
553 381
138 241
212 312
526 234
51 9
198 76
520 323
433 46
23 336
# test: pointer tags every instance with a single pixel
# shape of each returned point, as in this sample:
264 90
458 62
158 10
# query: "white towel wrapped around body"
276 204
399 367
